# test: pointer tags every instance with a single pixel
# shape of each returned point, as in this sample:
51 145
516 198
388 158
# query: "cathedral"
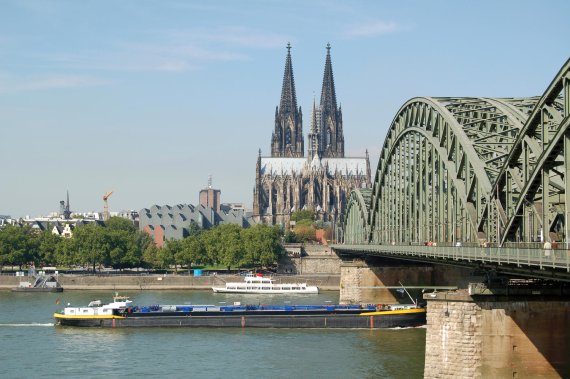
321 181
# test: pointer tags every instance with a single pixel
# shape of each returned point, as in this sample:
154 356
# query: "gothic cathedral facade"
287 180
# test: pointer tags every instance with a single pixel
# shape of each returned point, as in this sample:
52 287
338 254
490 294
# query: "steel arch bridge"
469 170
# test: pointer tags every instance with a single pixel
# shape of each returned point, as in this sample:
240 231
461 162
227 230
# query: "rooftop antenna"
210 181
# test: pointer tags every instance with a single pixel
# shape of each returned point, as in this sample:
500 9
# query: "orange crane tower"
106 205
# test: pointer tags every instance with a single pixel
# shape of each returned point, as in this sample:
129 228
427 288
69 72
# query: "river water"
33 347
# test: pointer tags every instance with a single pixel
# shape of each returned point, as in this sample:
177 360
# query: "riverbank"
166 282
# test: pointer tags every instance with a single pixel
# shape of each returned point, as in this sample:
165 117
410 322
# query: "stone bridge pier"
377 280
488 336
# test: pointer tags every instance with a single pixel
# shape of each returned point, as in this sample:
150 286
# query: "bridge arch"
472 169
437 168
355 223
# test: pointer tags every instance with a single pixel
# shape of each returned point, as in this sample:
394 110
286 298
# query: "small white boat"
264 285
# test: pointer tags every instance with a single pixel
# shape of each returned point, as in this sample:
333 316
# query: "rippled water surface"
32 347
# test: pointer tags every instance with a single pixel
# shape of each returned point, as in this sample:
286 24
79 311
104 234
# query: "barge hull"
330 321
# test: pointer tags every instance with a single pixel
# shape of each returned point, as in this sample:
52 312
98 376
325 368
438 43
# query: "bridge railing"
541 258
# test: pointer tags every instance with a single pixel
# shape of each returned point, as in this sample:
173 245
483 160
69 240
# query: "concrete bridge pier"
488 336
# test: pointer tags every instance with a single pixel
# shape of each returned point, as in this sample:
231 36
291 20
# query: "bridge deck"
553 263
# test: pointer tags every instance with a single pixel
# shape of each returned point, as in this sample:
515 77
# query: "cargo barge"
122 314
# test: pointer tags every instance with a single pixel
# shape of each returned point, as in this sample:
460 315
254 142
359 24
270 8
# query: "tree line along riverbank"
118 244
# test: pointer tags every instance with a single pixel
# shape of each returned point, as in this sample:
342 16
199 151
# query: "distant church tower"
287 139
326 137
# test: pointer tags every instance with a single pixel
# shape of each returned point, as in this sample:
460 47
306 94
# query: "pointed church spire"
314 125
288 94
328 94
313 137
287 139
331 142
67 212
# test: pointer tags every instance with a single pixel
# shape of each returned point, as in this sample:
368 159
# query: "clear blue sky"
148 98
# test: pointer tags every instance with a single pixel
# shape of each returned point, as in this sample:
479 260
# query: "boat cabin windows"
265 285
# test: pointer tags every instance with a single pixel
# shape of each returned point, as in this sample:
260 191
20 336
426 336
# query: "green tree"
48 247
193 251
165 256
120 223
66 254
303 214
144 242
194 229
91 244
173 248
224 245
119 244
18 245
290 237
305 232
150 256
262 245
232 250
211 240
124 251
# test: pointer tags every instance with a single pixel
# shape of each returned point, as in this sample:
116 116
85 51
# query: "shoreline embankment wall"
325 282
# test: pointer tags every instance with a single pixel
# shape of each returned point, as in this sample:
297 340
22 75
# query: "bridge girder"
469 169
532 185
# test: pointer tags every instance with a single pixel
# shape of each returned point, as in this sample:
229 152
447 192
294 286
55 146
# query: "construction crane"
106 205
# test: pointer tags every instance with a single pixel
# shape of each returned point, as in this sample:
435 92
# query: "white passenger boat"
265 285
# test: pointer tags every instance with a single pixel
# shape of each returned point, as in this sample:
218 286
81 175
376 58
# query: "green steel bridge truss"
468 170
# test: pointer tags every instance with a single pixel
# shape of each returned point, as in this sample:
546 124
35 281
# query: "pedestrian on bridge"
547 248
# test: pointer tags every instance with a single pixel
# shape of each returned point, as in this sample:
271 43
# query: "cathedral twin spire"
287 139
331 135
288 95
325 137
